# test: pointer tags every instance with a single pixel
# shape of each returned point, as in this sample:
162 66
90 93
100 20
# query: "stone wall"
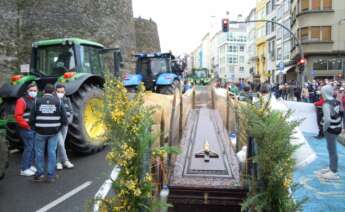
8 37
109 22
147 37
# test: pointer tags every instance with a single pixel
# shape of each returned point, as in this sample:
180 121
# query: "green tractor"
79 65
201 76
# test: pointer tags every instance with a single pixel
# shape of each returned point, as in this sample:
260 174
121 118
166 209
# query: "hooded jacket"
327 109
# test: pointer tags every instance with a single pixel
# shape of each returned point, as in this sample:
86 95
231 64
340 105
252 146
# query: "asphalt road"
19 193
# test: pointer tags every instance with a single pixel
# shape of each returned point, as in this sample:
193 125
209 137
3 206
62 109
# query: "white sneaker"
68 165
33 169
321 171
329 176
27 173
59 166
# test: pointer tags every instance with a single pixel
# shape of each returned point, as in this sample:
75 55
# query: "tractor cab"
154 71
64 59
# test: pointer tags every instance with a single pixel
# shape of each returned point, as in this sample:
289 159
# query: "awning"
286 69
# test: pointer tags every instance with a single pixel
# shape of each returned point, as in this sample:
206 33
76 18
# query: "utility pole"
301 60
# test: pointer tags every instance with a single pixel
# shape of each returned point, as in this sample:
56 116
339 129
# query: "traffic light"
225 25
301 63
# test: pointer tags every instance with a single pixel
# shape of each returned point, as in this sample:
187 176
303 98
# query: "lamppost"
301 60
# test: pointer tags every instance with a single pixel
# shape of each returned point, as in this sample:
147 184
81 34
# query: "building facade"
233 53
261 44
320 26
251 44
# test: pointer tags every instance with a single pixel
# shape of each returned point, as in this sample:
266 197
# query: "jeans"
40 144
332 151
61 150
28 137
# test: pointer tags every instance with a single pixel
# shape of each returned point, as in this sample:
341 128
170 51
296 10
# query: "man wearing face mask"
62 158
22 112
48 116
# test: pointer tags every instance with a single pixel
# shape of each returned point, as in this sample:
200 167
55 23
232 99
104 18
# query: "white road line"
64 197
13 151
105 188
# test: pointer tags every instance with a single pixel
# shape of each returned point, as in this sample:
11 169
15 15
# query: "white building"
233 54
251 43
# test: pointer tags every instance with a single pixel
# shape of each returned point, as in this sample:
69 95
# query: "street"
21 194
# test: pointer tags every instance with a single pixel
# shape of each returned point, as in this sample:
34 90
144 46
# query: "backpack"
336 117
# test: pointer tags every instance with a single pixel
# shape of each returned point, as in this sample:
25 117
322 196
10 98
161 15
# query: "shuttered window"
304 5
327 4
326 33
304 34
316 4
315 33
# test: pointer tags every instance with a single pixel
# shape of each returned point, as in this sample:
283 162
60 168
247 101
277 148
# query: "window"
304 34
316 4
327 4
268 7
241 48
232 59
326 33
54 60
334 64
315 33
241 69
90 60
321 64
273 25
268 28
304 5
232 48
279 53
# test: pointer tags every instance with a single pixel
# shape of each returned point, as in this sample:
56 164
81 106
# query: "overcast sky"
182 23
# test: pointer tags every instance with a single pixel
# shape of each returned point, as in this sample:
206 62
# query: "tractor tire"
169 89
80 136
3 155
7 108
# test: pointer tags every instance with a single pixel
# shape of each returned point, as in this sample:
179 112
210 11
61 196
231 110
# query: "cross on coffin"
206 153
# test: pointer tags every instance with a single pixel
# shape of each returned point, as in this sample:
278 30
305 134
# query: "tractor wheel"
6 109
3 155
86 132
169 89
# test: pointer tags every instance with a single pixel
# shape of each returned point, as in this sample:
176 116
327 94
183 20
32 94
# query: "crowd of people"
328 96
43 124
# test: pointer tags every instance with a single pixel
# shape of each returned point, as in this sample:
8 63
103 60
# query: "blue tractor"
158 71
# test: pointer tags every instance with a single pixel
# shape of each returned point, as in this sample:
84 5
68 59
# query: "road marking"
13 151
105 188
64 197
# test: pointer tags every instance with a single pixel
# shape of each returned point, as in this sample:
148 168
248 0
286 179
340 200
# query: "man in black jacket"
47 118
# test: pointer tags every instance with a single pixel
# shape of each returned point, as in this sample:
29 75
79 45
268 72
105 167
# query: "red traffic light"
225 25
301 61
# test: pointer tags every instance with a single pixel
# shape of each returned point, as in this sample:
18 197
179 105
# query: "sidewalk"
323 196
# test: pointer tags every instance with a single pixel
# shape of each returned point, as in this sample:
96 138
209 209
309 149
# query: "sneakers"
319 137
59 166
329 175
322 171
27 173
68 165
32 168
39 179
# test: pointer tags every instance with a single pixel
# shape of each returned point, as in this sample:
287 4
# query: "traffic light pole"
297 41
